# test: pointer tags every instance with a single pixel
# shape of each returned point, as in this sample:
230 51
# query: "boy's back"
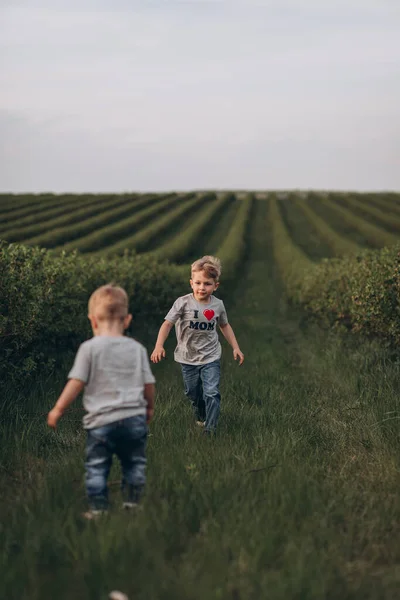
115 370
115 373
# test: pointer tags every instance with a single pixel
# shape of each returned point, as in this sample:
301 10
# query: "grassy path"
297 497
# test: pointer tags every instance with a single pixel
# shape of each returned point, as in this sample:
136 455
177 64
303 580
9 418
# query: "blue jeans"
202 388
127 439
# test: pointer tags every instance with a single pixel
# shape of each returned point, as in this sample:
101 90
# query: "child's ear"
127 321
93 321
216 284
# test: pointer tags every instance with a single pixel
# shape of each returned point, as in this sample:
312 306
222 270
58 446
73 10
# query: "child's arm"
159 351
149 394
68 395
228 334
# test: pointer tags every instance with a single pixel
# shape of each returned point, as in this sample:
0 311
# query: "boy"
119 399
196 317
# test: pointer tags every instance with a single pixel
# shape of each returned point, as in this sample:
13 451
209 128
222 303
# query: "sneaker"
130 505
117 595
133 507
93 515
201 423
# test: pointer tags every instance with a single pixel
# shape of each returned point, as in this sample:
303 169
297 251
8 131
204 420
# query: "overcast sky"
114 95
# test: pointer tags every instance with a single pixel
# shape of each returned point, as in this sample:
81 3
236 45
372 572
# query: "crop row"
293 264
11 203
338 244
232 249
35 281
70 227
180 247
40 212
41 224
178 226
373 214
387 202
326 227
146 237
103 237
358 292
372 235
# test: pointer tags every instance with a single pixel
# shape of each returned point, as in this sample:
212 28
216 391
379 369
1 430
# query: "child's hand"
238 355
53 417
158 354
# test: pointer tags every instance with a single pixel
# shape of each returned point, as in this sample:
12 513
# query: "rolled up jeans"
127 439
201 384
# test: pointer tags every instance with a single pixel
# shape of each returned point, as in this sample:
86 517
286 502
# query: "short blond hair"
109 302
211 265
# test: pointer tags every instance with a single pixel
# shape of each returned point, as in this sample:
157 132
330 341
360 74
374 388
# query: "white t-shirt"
196 329
115 371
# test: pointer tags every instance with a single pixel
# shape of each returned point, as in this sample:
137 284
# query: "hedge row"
339 244
18 227
146 236
102 237
363 209
293 264
386 202
43 301
17 203
374 236
112 212
177 249
69 216
360 293
232 249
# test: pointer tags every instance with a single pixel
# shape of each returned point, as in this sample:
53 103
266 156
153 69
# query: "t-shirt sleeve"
223 317
176 311
81 367
147 375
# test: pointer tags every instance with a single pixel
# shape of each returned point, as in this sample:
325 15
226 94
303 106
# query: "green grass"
296 498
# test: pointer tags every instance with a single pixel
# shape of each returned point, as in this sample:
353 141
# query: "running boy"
118 397
196 317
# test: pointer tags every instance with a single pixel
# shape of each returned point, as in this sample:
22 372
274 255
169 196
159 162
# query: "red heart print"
208 313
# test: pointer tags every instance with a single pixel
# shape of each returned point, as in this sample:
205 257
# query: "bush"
43 301
362 293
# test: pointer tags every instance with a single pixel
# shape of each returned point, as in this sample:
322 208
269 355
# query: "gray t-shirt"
196 329
115 370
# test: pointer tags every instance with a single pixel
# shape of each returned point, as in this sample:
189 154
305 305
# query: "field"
297 496
105 225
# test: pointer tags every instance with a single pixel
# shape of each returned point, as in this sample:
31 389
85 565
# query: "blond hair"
211 265
109 302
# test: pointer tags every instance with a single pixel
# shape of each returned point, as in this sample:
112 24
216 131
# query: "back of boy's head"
109 302
211 265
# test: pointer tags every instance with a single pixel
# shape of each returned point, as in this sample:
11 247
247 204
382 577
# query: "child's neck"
110 329
202 300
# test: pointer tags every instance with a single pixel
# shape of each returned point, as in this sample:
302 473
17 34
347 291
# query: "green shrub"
362 293
43 301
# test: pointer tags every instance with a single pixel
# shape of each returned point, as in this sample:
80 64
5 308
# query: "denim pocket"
136 426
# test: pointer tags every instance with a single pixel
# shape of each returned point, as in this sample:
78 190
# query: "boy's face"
202 286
